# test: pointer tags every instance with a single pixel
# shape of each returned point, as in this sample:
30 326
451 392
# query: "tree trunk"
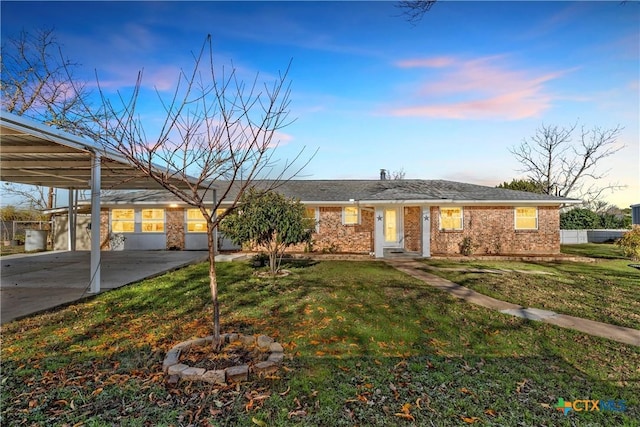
213 285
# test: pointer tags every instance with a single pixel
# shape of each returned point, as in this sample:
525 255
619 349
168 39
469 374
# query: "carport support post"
71 223
95 225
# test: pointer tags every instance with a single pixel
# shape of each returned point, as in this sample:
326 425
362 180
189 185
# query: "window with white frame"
152 220
122 220
313 214
350 215
196 222
451 218
526 218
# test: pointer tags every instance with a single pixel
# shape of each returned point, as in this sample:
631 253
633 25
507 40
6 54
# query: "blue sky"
443 99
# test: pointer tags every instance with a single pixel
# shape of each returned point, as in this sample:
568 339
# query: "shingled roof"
374 191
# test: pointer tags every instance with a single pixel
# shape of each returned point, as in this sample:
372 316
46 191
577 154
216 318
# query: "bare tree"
219 135
399 174
561 166
29 196
37 81
414 10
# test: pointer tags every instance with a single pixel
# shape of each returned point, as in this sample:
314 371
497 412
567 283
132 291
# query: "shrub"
467 246
630 244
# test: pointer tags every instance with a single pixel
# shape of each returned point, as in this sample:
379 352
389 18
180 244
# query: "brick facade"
174 228
490 228
334 237
492 231
412 229
105 244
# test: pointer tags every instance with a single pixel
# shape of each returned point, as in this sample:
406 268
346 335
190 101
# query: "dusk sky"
442 99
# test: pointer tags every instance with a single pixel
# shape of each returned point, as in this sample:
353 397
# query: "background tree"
218 135
587 219
268 220
579 219
37 81
398 174
414 10
562 166
522 185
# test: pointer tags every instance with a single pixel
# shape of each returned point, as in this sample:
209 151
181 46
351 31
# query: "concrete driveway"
31 283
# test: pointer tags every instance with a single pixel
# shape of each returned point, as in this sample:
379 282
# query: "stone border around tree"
175 370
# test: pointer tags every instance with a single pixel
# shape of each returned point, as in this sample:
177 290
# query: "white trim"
361 204
460 202
378 229
425 227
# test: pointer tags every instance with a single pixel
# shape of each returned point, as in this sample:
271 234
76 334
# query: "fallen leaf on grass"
284 393
299 413
470 420
258 422
405 414
491 412
394 389
521 386
467 391
97 391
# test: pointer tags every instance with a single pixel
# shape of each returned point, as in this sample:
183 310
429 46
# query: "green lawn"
368 345
607 290
594 250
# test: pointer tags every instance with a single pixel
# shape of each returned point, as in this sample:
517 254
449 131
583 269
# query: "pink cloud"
510 106
437 62
480 88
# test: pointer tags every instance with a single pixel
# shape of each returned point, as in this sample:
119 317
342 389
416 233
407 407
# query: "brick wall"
333 236
104 230
412 229
491 230
174 228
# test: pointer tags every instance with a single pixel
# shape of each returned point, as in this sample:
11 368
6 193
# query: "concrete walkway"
32 283
616 333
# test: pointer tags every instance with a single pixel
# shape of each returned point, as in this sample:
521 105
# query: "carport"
33 153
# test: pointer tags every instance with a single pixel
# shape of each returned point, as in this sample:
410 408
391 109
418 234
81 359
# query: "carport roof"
33 153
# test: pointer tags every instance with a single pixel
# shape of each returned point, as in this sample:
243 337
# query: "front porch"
402 231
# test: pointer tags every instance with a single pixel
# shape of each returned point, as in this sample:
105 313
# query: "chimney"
383 174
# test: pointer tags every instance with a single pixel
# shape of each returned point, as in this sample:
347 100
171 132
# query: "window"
196 222
526 218
122 221
450 218
350 215
153 220
312 214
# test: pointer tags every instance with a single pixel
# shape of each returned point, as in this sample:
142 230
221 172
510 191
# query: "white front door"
392 227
